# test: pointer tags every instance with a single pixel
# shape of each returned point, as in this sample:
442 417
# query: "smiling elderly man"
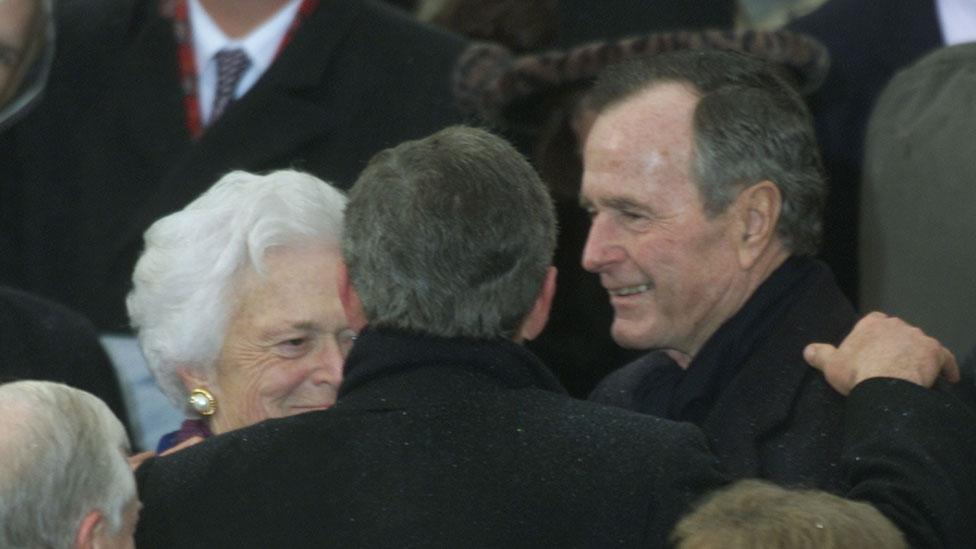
703 181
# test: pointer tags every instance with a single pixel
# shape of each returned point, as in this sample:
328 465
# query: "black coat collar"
391 362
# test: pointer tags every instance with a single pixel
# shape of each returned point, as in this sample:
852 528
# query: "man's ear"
351 304
757 210
537 318
88 530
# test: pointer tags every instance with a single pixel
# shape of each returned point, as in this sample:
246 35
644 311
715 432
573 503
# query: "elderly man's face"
667 266
15 17
286 341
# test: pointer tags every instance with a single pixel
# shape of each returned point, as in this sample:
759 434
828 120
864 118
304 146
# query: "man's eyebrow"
623 203
614 203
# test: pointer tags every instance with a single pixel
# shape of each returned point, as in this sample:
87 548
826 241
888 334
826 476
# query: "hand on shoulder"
882 346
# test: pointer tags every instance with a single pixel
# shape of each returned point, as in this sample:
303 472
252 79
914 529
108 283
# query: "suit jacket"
43 340
357 77
459 443
433 443
868 42
777 419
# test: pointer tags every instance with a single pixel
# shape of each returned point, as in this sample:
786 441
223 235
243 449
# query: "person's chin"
628 334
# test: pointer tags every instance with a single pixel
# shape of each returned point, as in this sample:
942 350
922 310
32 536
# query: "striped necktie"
231 65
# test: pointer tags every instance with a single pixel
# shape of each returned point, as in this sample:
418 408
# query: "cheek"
281 379
257 390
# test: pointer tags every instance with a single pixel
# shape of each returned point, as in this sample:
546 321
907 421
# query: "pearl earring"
202 402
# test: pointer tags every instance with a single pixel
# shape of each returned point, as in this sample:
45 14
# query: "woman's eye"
292 347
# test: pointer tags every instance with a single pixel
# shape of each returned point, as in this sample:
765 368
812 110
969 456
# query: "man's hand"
882 346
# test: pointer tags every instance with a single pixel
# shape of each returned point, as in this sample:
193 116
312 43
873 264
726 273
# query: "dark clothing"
582 21
459 443
357 77
868 42
765 411
43 340
896 437
188 429
433 443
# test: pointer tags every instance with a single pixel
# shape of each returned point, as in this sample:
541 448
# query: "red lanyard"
185 55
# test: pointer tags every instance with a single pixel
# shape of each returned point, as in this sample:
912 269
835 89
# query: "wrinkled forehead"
644 134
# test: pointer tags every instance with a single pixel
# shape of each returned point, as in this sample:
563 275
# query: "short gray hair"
184 283
62 456
750 125
450 235
757 513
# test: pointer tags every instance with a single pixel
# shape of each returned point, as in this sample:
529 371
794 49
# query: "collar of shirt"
261 45
958 21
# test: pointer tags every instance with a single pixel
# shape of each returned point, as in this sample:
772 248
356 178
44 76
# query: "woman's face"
15 16
286 340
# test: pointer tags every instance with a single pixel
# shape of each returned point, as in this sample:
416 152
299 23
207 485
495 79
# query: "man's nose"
601 249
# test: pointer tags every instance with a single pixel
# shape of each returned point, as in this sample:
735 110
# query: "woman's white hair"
185 281
63 455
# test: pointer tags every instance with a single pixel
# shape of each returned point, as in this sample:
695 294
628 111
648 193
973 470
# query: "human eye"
633 219
630 216
293 347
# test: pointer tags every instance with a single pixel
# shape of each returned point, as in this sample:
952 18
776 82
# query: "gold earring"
202 402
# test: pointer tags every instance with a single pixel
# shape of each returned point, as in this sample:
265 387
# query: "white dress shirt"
958 20
261 45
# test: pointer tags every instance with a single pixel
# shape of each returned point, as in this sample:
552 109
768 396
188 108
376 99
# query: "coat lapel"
151 113
269 123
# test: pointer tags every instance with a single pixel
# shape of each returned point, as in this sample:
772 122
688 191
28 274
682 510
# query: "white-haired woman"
235 302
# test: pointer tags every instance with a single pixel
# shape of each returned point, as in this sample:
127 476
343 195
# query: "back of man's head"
450 235
62 457
754 513
750 125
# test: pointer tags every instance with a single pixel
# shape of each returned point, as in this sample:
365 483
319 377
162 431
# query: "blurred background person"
235 302
26 47
772 14
40 339
868 41
918 202
753 513
64 480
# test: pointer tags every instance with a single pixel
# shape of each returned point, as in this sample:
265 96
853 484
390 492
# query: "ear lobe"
537 318
758 208
352 306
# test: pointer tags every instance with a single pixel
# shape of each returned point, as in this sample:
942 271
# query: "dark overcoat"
778 418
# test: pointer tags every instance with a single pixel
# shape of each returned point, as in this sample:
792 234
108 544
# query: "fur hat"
511 90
